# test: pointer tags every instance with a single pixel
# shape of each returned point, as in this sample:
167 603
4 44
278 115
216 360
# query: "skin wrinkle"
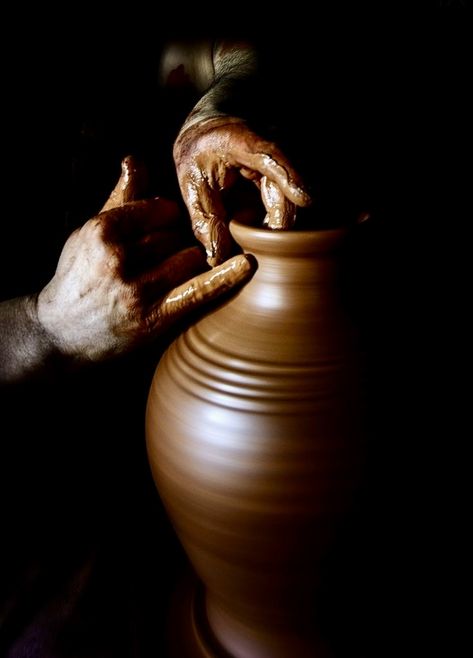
172 299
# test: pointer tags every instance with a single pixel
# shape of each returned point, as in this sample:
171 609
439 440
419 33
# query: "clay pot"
255 438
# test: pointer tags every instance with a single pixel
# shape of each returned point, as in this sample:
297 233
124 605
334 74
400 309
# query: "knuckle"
93 226
154 319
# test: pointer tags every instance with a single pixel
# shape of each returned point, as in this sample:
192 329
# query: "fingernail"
212 258
127 164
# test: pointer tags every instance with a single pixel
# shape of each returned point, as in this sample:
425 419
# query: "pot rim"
288 242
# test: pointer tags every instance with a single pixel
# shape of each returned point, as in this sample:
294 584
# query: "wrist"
199 123
26 350
40 348
42 337
232 92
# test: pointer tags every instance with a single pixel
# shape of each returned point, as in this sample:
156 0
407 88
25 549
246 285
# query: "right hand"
209 154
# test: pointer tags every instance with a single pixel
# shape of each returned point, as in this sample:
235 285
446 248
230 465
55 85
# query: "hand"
122 278
131 184
209 154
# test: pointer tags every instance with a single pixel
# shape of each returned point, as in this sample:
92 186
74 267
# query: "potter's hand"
131 184
122 280
209 154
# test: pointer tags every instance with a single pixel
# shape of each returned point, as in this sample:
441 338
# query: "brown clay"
131 184
255 438
209 153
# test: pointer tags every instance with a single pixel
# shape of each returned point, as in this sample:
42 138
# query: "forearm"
26 351
234 85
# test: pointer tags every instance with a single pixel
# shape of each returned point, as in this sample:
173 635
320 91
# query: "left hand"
126 276
131 184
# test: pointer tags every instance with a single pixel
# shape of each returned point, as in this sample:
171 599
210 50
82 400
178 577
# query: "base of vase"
189 635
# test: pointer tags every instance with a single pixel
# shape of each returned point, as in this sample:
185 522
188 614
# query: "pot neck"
294 256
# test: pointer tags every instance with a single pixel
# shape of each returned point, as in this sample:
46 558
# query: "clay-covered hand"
131 184
124 277
209 154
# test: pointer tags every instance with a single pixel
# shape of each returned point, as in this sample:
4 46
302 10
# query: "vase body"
255 437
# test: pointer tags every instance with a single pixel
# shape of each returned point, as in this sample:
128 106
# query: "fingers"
255 157
207 216
280 213
131 184
276 168
218 240
156 282
200 290
135 219
152 249
207 157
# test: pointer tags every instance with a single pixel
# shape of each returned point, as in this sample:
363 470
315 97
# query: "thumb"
131 184
202 289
